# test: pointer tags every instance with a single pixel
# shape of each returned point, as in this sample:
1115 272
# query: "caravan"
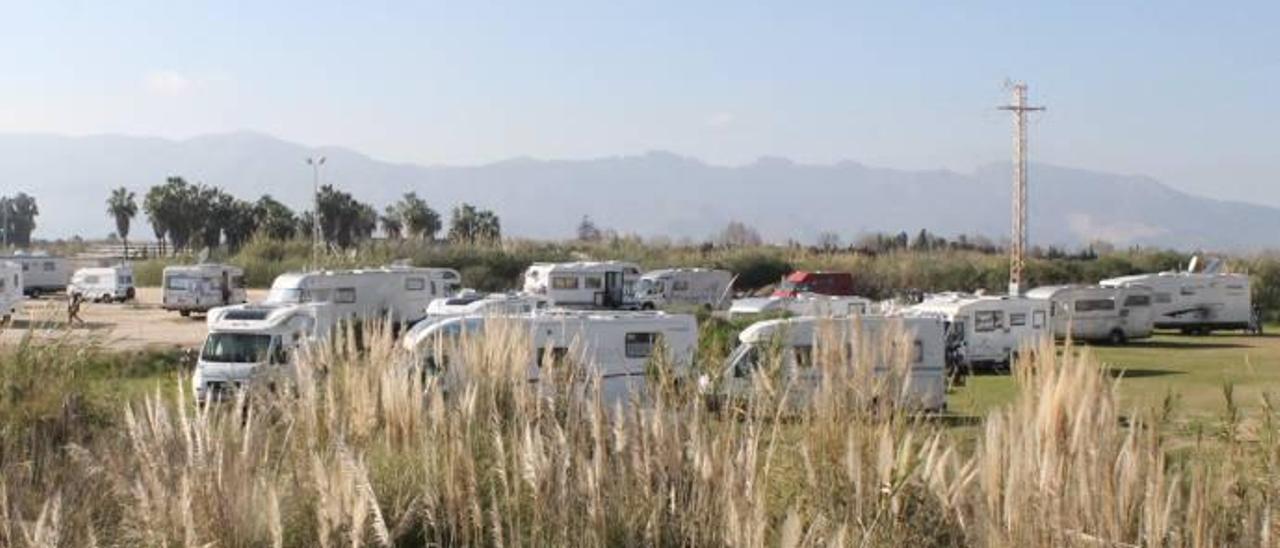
807 304
244 339
989 330
198 288
103 284
607 284
399 294
10 290
471 303
620 347
867 341
700 287
1096 313
1196 302
41 273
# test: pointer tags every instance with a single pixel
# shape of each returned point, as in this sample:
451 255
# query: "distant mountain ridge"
655 193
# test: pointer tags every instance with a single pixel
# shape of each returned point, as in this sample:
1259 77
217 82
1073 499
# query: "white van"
398 293
1196 302
991 330
103 284
921 383
702 287
41 273
1097 313
198 288
245 339
618 347
593 284
10 290
804 304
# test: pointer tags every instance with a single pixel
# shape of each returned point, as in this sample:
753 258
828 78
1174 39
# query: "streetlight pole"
315 163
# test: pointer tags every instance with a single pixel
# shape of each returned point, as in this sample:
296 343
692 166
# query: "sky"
1182 91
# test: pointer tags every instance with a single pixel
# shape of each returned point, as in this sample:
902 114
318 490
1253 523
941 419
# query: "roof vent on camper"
246 314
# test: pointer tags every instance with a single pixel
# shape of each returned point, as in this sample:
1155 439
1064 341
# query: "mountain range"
651 194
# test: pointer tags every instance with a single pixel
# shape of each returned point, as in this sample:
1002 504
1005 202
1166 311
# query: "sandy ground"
130 326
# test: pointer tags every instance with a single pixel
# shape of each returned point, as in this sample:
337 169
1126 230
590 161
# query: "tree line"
185 216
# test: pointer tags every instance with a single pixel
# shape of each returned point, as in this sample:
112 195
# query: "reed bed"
364 450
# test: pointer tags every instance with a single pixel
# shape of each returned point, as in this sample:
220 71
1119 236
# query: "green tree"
391 224
274 219
471 225
122 207
416 217
18 219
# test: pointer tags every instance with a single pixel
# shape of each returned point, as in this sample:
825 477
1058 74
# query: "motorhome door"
612 289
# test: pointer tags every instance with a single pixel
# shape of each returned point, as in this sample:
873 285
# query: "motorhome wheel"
184 313
1116 337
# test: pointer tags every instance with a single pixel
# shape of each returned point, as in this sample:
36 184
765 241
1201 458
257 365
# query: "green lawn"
1194 369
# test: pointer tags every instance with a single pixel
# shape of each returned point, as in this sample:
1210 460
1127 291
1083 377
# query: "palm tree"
122 207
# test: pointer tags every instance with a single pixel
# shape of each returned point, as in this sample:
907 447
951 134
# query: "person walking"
73 310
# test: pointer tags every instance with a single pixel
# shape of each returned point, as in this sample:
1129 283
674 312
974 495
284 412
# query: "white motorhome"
805 304
702 287
103 284
472 303
1097 313
10 290
198 288
1196 302
990 330
618 347
41 273
397 293
244 339
594 284
866 345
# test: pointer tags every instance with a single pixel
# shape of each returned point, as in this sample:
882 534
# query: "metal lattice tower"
1018 244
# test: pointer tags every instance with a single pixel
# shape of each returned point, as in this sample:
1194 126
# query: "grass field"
1192 369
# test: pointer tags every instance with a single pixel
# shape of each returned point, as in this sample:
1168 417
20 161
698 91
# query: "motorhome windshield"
236 348
284 295
647 286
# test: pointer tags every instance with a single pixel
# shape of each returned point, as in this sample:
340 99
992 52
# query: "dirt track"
135 325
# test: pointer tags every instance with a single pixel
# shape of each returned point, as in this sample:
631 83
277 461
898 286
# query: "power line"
1017 251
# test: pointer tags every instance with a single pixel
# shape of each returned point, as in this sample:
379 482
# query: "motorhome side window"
680 285
91 279
344 295
1137 300
1017 318
593 282
415 284
917 351
558 356
990 320
48 266
26 267
1095 305
1037 319
640 345
1187 291
1163 298
564 282
803 355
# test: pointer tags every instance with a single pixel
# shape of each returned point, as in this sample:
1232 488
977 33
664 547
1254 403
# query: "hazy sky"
1183 91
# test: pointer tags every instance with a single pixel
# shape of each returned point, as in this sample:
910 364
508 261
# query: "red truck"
823 283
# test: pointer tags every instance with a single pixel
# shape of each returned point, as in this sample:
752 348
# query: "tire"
646 306
184 313
1116 337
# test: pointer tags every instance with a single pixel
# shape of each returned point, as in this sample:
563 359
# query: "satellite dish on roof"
203 257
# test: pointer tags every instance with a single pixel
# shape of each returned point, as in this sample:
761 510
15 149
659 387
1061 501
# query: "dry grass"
363 452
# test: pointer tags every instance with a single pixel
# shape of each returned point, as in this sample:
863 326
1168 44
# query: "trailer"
990 330
250 341
699 287
199 288
806 304
617 348
822 283
41 274
1115 314
398 294
810 348
1196 302
103 284
591 284
11 287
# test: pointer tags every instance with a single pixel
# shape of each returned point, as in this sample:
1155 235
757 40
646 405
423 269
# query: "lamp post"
315 162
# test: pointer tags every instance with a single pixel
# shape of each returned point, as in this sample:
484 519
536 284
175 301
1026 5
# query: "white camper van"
10 290
990 329
198 288
617 346
865 341
1097 313
103 284
41 273
703 287
399 294
804 304
244 339
605 284
1196 302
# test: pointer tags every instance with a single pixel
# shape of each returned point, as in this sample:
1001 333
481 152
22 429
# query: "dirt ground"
130 326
